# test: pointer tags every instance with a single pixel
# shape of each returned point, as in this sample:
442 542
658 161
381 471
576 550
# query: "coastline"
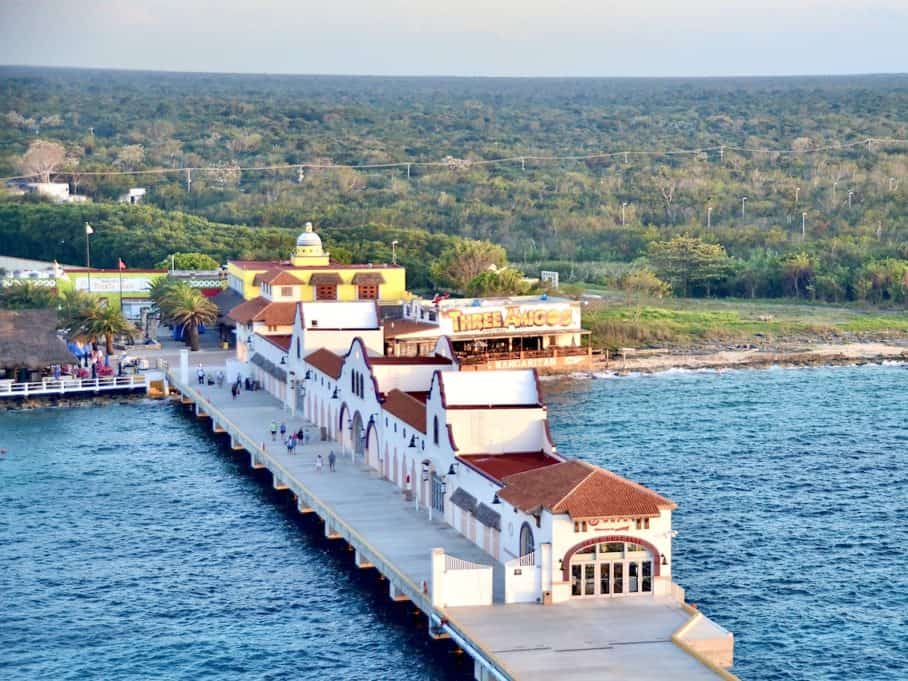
650 361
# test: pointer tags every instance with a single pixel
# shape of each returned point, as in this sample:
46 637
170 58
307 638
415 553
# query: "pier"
50 387
610 640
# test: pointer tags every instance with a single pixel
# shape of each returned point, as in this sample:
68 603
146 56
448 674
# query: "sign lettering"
512 317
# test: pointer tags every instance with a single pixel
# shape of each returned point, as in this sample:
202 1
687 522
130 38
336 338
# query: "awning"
488 517
269 367
368 278
325 279
463 499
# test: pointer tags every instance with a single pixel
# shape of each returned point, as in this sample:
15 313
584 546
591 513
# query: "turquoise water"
120 559
792 487
133 547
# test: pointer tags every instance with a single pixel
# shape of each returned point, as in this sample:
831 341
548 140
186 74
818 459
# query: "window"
642 523
286 291
297 348
527 544
580 526
368 292
326 292
435 429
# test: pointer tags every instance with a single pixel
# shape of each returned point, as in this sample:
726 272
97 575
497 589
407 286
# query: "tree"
798 271
189 261
75 307
688 261
42 158
26 296
498 282
102 321
460 264
642 284
183 305
131 156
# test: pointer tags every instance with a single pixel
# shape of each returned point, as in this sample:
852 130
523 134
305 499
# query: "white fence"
457 582
68 386
522 580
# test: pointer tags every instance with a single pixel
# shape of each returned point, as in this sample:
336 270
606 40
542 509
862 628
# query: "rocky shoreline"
648 361
61 401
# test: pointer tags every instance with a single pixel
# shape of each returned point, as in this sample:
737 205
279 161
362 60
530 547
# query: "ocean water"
792 493
132 546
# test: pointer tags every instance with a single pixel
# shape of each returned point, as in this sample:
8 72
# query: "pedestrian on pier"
220 378
283 430
235 390
318 463
300 435
332 459
290 444
200 373
273 431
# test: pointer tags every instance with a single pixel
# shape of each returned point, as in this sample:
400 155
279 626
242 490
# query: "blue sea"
133 546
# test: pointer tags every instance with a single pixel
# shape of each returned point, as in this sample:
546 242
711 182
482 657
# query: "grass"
617 322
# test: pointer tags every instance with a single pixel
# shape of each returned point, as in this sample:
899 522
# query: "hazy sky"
463 37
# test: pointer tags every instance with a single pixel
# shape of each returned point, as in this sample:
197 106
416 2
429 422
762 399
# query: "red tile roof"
402 327
500 466
282 341
276 277
265 265
263 310
326 362
582 491
407 408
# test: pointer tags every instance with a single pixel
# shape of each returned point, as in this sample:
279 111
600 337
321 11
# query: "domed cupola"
308 248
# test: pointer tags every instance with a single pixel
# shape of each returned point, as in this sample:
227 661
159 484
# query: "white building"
133 196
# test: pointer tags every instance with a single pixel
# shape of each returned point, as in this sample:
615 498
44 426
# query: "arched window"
435 429
527 543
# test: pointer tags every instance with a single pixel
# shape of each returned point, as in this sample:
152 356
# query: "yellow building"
310 275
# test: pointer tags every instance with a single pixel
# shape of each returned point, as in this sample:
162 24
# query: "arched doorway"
357 434
527 542
611 566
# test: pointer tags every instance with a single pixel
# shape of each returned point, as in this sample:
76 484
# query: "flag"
88 229
120 264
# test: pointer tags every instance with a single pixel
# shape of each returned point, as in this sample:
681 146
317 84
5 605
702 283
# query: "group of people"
292 440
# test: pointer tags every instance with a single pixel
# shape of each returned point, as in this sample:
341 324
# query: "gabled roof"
582 491
263 310
326 362
408 409
276 277
395 328
280 341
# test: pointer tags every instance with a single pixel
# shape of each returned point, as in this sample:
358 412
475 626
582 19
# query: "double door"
611 578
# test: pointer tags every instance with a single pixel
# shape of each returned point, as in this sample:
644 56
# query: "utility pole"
850 194
803 225
394 252
743 200
188 180
709 217
623 206
797 191
834 185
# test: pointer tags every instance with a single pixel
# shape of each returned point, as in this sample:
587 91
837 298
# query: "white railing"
528 559
63 386
452 563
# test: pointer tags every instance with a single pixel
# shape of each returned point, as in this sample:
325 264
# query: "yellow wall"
393 290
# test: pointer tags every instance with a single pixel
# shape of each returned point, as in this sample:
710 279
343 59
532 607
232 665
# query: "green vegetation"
182 305
629 322
188 261
821 217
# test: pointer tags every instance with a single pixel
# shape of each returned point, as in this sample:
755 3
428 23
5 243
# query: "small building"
310 275
128 289
495 333
134 196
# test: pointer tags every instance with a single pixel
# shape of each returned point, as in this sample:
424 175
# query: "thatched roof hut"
28 338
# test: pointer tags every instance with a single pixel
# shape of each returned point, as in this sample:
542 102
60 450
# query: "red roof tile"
437 359
407 408
500 466
582 491
263 310
276 277
282 341
402 327
326 362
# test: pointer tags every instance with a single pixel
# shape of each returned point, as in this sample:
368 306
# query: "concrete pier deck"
606 640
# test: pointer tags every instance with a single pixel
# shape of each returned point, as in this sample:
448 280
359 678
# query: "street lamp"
797 191
850 194
623 221
834 185
394 251
743 199
709 217
803 225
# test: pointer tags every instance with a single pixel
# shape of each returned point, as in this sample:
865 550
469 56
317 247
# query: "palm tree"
104 322
26 296
184 305
75 307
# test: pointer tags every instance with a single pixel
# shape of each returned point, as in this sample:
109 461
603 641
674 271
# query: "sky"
463 37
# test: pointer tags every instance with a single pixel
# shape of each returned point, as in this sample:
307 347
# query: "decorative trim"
566 561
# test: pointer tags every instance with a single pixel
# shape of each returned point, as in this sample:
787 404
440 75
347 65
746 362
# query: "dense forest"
786 182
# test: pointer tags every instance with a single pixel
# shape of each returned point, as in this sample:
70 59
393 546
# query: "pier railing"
68 386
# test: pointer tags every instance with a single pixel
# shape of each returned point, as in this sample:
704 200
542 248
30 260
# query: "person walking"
283 430
318 463
235 390
200 373
289 443
332 459
273 431
300 435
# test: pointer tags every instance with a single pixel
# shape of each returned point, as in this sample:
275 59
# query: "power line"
447 163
